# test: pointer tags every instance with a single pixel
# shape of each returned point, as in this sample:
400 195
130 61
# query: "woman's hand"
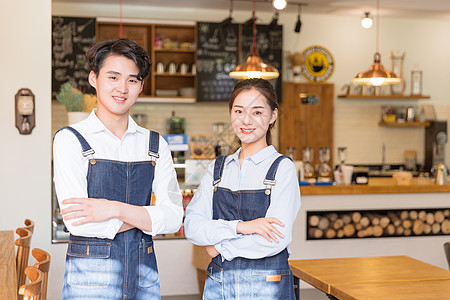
90 210
261 226
212 251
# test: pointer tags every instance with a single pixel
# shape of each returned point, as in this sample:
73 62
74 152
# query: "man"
106 168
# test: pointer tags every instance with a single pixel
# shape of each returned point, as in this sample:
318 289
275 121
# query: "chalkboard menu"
269 40
217 55
71 38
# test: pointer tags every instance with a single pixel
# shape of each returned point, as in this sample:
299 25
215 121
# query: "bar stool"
32 290
447 252
23 252
43 264
29 224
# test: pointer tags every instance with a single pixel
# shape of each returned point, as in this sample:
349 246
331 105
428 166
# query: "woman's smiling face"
251 116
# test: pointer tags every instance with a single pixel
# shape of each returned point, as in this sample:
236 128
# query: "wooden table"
8 278
339 273
398 290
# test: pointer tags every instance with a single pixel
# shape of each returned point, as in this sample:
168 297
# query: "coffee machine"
435 141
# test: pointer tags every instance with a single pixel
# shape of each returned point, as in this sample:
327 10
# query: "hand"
89 210
261 226
212 251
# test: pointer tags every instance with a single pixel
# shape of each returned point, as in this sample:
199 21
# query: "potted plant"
77 104
297 59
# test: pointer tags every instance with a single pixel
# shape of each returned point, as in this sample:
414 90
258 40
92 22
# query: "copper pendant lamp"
377 75
254 67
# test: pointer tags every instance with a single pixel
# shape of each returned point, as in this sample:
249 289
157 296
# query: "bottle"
309 172
176 126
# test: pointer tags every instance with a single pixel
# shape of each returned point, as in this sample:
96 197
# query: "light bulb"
366 22
376 81
254 74
279 4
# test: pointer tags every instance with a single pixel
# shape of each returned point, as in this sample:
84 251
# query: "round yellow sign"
318 65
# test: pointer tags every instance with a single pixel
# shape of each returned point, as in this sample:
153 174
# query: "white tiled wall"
199 117
355 127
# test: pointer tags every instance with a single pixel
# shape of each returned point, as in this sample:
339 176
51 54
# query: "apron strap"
218 169
86 148
269 181
153 145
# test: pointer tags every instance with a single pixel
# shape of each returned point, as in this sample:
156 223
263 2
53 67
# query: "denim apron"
124 267
242 278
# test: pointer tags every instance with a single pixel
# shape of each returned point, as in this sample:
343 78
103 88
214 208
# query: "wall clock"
318 65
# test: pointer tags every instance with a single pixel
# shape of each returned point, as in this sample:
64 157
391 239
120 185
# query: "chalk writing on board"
71 38
217 55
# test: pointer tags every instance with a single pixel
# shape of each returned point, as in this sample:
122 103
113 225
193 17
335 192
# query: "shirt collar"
94 124
256 158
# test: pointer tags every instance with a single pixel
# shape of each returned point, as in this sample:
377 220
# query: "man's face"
117 86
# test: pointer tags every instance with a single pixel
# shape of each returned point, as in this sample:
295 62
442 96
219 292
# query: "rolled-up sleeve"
167 213
285 204
199 227
70 169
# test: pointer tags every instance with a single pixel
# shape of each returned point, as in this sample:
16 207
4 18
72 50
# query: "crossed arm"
104 218
252 239
90 210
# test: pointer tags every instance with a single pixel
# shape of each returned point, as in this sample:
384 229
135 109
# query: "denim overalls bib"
125 267
242 278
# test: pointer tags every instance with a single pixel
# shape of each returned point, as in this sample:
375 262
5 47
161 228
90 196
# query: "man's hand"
212 251
90 210
261 226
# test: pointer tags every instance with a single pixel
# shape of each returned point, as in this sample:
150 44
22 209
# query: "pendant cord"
120 21
254 27
378 24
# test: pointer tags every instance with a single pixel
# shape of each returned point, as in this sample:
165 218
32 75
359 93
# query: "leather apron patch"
273 278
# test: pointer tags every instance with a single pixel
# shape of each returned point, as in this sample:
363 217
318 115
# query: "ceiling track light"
279 4
229 19
298 25
274 22
366 22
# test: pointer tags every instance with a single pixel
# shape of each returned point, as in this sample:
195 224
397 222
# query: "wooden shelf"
177 50
161 99
393 97
144 34
406 124
166 74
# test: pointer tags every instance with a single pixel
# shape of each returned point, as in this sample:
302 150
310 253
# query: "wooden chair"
29 225
32 290
43 264
23 252
447 252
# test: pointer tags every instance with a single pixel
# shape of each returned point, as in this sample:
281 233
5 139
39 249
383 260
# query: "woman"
245 207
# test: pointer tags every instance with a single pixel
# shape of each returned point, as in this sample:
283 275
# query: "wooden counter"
375 186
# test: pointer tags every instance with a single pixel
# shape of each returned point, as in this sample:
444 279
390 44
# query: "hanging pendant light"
254 67
377 75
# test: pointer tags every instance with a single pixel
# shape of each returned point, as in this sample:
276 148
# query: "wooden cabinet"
305 125
166 43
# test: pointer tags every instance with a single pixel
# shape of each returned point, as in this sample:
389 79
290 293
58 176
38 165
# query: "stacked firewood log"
361 224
